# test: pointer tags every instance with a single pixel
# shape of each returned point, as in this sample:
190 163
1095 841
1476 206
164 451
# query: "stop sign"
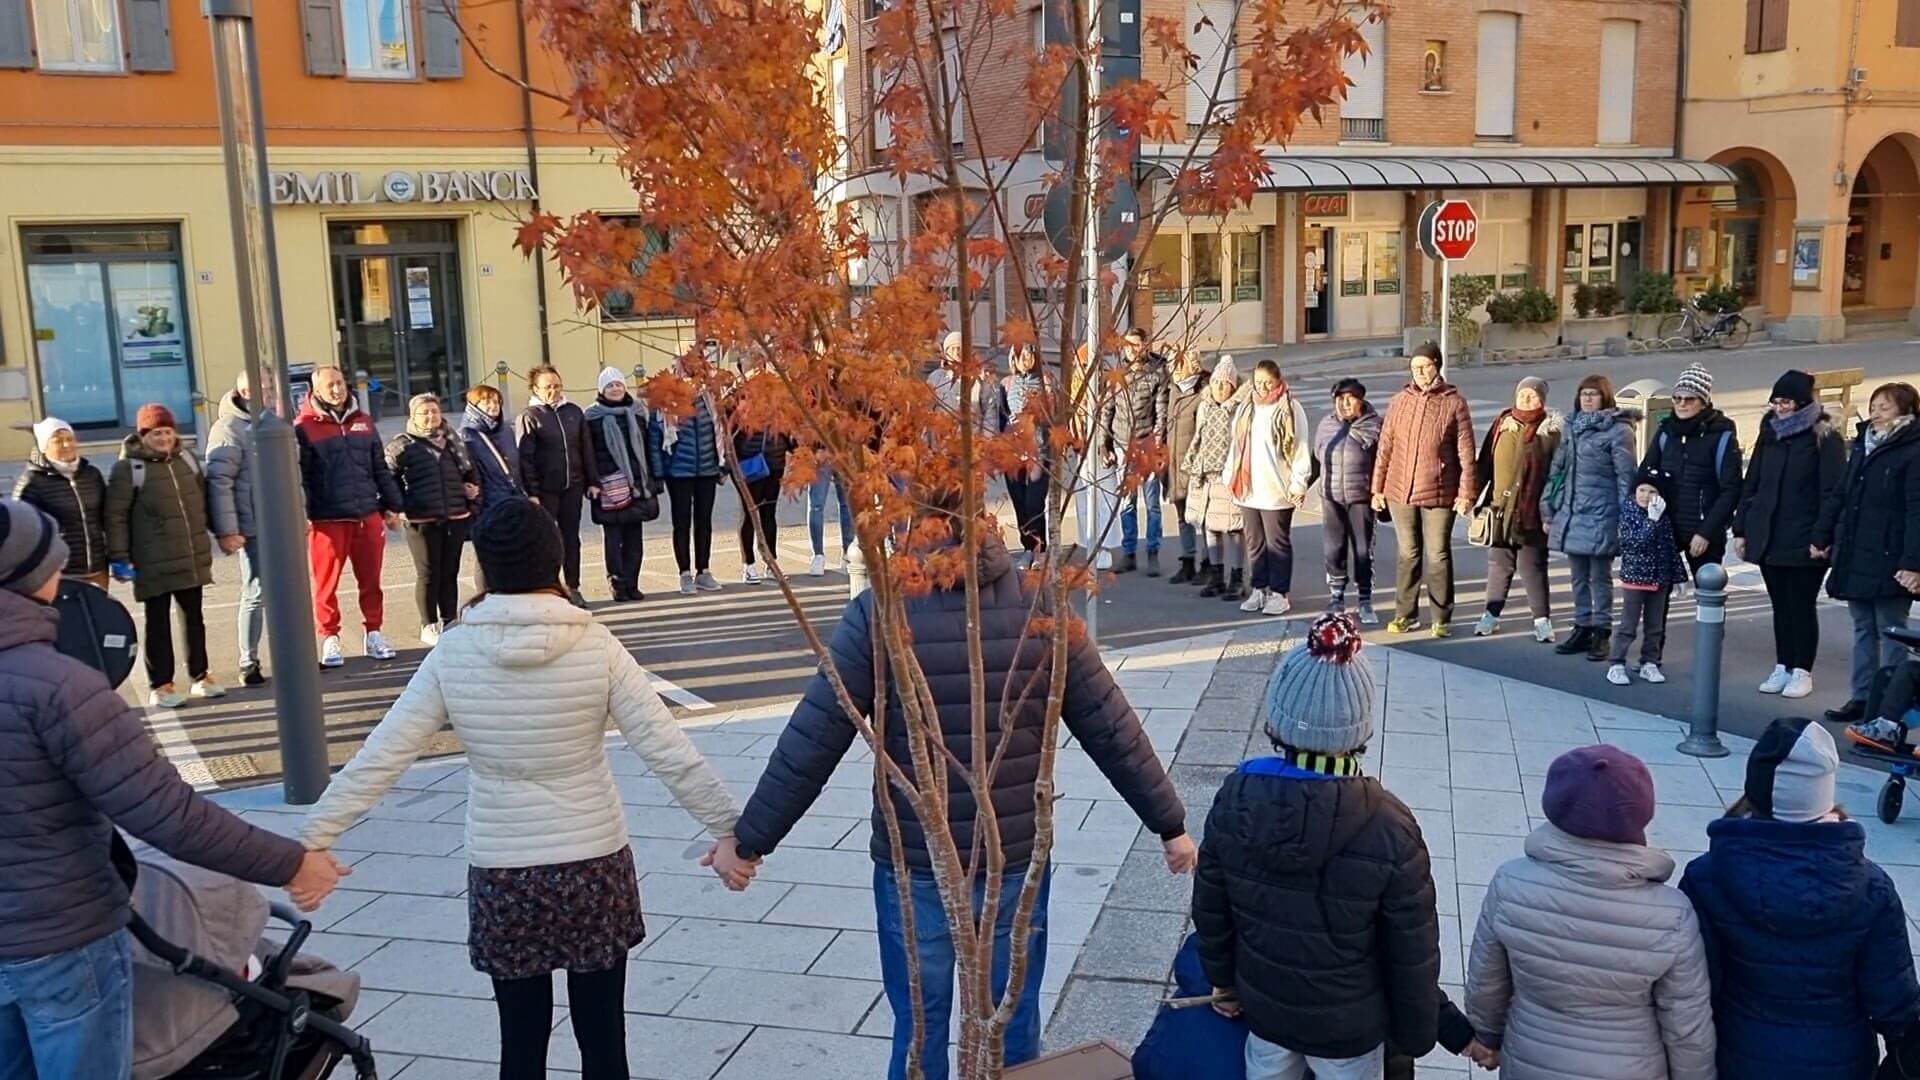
1448 230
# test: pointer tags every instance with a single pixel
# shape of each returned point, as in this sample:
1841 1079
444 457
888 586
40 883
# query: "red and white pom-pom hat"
1320 697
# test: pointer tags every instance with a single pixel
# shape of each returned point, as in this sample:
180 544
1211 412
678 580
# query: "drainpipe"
1685 9
533 172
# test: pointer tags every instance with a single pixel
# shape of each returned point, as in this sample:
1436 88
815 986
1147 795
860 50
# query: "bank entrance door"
397 309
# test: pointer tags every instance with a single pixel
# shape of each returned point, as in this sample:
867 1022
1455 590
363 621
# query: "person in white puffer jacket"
528 682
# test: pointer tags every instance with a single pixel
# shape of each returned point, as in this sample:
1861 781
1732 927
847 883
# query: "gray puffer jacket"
1586 965
1591 475
229 461
75 761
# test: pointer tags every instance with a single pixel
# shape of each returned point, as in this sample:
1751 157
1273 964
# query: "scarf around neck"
480 418
1282 434
1796 422
1588 419
1529 421
1874 439
68 469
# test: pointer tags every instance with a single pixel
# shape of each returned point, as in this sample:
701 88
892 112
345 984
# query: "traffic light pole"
279 517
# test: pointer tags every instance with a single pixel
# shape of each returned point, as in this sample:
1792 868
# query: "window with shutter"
443 45
879 83
78 35
1209 23
378 35
149 37
1906 26
320 20
1767 25
622 305
1499 49
16 40
1363 115
1619 49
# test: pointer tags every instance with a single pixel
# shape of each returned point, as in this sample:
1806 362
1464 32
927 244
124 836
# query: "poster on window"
1806 258
419 298
1353 264
1600 245
1386 263
150 333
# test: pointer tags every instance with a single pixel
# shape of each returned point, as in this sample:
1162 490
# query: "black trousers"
691 499
158 646
1424 536
435 546
1531 562
1794 591
623 556
766 500
1642 608
1347 536
565 508
1030 509
1269 549
595 1000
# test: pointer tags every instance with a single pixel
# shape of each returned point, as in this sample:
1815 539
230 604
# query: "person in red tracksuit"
352 500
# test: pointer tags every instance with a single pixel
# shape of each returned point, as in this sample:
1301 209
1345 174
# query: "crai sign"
450 186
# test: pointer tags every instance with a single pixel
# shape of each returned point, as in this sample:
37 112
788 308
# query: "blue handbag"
754 468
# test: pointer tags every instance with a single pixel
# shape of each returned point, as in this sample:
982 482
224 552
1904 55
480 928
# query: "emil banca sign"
402 186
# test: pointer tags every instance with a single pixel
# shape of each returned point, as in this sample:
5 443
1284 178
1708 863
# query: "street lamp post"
276 457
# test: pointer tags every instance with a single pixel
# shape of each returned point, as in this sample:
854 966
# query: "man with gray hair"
229 466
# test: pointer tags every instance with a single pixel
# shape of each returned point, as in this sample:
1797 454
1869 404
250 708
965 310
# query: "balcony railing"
1358 129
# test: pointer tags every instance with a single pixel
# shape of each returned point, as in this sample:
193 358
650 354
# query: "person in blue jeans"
1136 417
827 480
820 733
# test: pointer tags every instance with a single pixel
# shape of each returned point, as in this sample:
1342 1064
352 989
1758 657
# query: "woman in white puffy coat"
1586 965
528 682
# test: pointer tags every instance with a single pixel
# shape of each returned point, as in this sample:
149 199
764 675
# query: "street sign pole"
1448 231
1446 308
1091 244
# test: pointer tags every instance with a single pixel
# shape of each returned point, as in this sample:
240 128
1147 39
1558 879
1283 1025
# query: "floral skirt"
534 920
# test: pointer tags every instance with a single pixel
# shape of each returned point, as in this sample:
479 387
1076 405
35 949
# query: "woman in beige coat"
1586 965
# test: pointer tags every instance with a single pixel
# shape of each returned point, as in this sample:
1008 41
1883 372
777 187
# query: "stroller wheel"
1892 794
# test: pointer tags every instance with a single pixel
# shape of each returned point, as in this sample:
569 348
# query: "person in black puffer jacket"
556 463
1798 463
1695 457
1874 519
771 448
1314 899
439 487
73 493
1095 711
617 431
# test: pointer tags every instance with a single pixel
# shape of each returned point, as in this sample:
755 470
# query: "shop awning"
1300 172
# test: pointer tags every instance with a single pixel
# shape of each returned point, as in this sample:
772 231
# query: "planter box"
1502 336
1596 331
1646 327
1094 1061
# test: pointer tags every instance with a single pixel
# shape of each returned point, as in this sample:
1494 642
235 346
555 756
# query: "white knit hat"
1225 369
1696 381
1792 771
608 376
44 431
1320 698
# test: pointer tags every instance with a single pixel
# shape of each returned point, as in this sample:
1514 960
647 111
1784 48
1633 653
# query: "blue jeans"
1130 522
253 619
69 1016
934 944
817 512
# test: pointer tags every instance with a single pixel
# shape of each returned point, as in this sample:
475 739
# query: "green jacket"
161 525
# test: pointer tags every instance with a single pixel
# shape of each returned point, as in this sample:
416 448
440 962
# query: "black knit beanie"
518 545
1794 386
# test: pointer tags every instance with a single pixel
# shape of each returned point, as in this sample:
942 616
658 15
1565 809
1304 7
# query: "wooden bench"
1835 389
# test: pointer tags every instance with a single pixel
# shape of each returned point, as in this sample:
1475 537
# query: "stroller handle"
285 913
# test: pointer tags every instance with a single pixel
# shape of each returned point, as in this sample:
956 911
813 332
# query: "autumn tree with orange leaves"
717 113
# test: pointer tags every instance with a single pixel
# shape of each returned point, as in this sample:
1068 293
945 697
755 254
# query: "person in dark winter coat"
157 538
1696 457
1592 475
75 763
439 487
1424 475
771 449
351 502
229 449
1136 413
1649 566
73 493
686 455
1805 936
1345 445
819 735
1798 464
1513 466
556 463
617 429
1029 391
496 458
1186 390
1314 900
1874 519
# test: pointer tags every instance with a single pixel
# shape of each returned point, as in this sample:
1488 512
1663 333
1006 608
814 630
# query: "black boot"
1126 564
1185 573
1236 588
1579 641
1203 572
1216 582
1852 712
1602 644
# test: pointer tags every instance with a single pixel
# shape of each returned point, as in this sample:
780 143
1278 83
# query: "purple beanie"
1599 793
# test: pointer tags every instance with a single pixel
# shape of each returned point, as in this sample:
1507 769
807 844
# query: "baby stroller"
1894 690
212 999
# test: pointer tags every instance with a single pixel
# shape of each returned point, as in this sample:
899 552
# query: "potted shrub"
1597 316
1652 301
1525 319
1465 295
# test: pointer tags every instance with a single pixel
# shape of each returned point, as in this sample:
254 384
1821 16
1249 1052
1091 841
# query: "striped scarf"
1324 764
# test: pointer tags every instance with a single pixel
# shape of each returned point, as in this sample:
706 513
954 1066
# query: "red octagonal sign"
1448 230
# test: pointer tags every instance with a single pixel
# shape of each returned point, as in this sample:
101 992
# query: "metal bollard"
856 571
1709 639
360 398
500 373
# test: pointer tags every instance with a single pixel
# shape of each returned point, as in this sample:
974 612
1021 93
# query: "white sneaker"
1277 604
331 654
1652 673
1777 681
207 688
430 635
1256 601
686 583
1799 684
818 568
377 647
706 582
1543 630
1489 622
751 574
165 697
1617 675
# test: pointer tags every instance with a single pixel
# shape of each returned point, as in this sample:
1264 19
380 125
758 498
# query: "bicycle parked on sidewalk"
1691 327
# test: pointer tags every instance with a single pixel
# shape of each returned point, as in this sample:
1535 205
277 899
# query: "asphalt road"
741 647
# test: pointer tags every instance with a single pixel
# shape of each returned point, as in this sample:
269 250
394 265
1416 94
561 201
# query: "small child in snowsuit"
1649 567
